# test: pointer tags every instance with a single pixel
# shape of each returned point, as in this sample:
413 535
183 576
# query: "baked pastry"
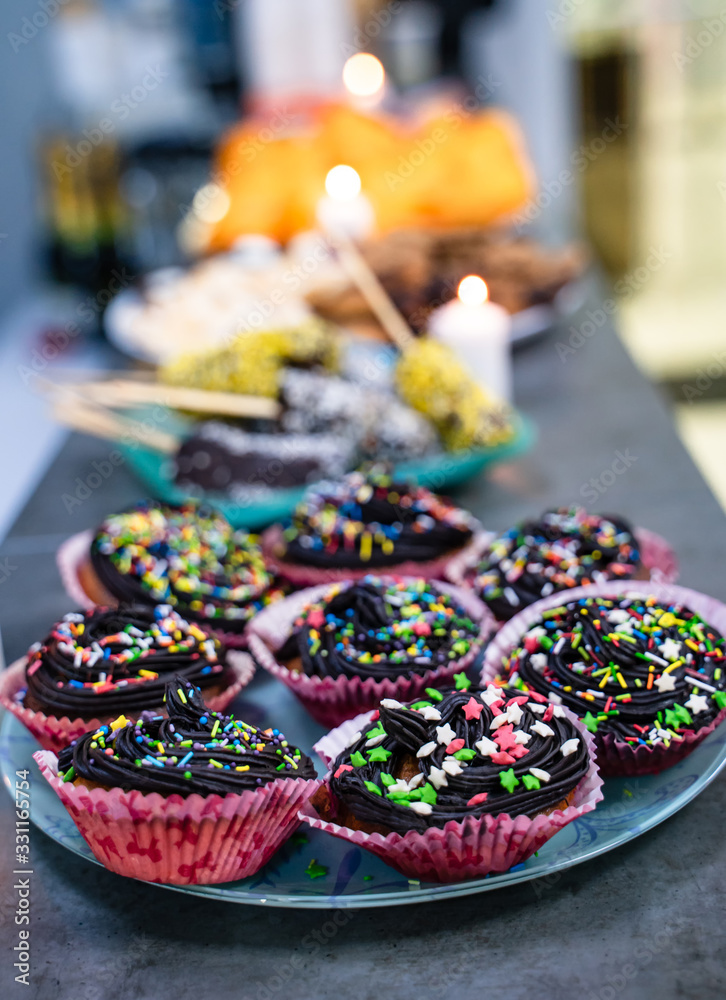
380 628
455 754
564 548
645 674
195 797
458 784
368 521
188 557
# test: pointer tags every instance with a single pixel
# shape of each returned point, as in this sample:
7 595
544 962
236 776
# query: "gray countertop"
646 920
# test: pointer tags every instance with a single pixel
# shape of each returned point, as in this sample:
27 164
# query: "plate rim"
432 892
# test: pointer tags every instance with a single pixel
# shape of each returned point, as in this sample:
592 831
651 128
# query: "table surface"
646 920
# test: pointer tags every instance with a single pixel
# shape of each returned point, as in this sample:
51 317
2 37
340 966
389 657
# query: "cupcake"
189 557
343 647
642 667
363 522
565 548
195 797
458 784
95 666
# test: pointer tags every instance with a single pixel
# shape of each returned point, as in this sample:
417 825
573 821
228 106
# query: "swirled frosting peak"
193 750
369 520
460 753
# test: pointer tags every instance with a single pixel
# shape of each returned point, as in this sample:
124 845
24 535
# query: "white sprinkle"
558 645
514 713
618 616
445 734
511 596
426 749
486 747
499 720
452 766
534 706
569 746
657 659
697 703
391 703
542 729
547 589
699 683
521 737
375 740
538 660
430 713
491 695
557 710
537 772
422 808
437 777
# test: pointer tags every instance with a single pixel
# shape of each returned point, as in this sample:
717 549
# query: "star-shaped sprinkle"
314 870
452 766
538 661
540 774
569 746
426 749
491 694
391 703
502 757
670 649
697 703
534 707
514 714
357 759
498 720
422 808
437 777
504 737
430 713
445 734
590 722
509 780
521 737
462 682
530 782
486 747
472 709
542 729
666 682
378 754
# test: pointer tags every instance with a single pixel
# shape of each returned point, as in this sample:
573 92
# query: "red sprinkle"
476 800
342 768
502 758
455 745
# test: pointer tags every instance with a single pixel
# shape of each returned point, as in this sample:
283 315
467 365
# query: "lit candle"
479 331
344 210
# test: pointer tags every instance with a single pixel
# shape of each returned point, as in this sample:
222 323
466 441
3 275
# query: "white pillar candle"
479 332
344 210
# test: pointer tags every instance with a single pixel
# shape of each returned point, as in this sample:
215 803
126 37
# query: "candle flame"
473 290
363 75
343 183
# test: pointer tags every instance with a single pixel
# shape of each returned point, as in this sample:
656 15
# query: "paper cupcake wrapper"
55 733
192 841
73 557
309 576
615 757
330 700
459 850
656 555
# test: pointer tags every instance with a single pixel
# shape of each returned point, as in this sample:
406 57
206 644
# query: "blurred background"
145 134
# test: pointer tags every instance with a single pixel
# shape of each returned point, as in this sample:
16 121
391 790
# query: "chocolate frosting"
193 750
565 548
113 660
189 557
381 628
368 520
639 669
476 751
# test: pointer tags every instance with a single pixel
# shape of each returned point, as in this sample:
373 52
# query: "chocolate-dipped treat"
188 557
380 628
646 675
221 458
107 661
191 797
368 521
458 754
191 749
564 548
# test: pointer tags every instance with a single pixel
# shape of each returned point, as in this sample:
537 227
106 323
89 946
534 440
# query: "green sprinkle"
314 870
508 779
187 775
720 698
373 787
387 779
465 754
590 721
378 754
70 774
428 794
434 695
462 682
530 782
357 759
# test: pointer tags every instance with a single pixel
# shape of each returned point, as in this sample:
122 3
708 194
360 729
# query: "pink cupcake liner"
656 555
181 841
55 733
615 757
460 850
309 576
73 555
330 700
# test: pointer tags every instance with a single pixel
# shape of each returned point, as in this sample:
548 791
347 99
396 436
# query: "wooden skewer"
96 420
122 392
361 273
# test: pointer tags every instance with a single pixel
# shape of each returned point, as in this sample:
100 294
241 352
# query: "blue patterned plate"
353 877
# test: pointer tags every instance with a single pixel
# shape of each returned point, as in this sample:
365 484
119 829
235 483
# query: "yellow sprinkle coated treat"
252 362
431 379
119 723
